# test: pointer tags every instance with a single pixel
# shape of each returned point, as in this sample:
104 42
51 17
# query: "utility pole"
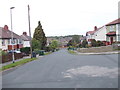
29 30
13 56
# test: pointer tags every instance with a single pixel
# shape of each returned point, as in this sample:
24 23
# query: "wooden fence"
8 57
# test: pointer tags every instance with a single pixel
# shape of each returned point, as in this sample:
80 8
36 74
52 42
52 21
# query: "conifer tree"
40 36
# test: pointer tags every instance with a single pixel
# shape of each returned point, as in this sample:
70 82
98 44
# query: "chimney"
25 33
5 27
95 28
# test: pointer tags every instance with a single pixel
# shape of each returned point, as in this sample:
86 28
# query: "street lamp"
13 58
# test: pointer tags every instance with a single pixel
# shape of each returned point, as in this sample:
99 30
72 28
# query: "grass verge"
17 63
48 53
72 52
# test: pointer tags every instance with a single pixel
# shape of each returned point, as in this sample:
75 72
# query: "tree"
36 44
84 43
40 35
54 44
70 43
76 39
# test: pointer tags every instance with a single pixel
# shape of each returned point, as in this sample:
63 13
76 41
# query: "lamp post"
29 30
13 58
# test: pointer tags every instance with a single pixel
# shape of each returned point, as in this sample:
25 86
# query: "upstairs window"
112 28
9 41
3 42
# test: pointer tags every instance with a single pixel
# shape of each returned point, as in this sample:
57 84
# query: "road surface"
63 70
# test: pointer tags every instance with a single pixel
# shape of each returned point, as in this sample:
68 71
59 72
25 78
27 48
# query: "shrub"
25 50
36 51
2 53
99 43
93 43
84 43
47 49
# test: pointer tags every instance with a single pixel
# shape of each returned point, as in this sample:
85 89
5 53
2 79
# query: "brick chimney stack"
95 28
25 33
5 27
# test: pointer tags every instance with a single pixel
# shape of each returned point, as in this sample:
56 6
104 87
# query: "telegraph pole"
29 30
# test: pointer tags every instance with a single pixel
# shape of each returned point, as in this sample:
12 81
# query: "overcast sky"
59 17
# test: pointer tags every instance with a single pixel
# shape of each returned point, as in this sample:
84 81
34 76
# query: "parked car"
15 51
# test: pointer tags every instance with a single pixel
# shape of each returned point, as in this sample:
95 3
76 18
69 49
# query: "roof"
117 21
111 33
7 34
90 32
25 37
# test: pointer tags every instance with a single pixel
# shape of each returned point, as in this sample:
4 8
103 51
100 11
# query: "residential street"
63 70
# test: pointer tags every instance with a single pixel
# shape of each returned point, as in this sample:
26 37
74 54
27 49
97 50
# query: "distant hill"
63 36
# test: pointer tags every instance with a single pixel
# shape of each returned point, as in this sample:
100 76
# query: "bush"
25 50
2 53
93 43
36 51
84 43
47 49
99 43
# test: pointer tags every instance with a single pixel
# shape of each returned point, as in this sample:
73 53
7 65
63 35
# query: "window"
3 42
13 41
20 41
16 41
111 28
8 41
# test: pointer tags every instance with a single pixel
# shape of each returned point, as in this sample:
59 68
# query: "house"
6 41
108 33
100 34
90 35
113 31
26 39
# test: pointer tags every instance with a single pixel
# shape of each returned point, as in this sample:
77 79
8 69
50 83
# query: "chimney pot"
95 28
5 27
24 33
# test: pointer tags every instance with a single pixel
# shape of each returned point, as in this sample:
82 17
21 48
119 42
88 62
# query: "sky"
58 17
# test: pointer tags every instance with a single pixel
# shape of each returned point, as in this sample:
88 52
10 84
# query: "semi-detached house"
26 39
6 41
108 33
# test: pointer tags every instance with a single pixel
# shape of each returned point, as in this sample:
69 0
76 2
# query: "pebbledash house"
113 31
109 33
6 41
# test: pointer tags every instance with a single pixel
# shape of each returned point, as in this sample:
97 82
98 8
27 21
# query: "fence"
8 57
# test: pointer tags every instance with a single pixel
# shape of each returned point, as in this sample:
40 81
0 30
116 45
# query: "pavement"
63 70
98 53
3 64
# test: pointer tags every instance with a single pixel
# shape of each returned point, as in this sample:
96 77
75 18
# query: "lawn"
71 52
17 63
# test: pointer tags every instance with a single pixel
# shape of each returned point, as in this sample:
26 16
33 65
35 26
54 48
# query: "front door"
111 40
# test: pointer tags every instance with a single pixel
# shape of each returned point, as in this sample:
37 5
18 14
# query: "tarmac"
78 53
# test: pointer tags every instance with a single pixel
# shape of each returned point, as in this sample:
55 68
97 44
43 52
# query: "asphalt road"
63 70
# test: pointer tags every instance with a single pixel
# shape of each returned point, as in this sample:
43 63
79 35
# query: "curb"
102 53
